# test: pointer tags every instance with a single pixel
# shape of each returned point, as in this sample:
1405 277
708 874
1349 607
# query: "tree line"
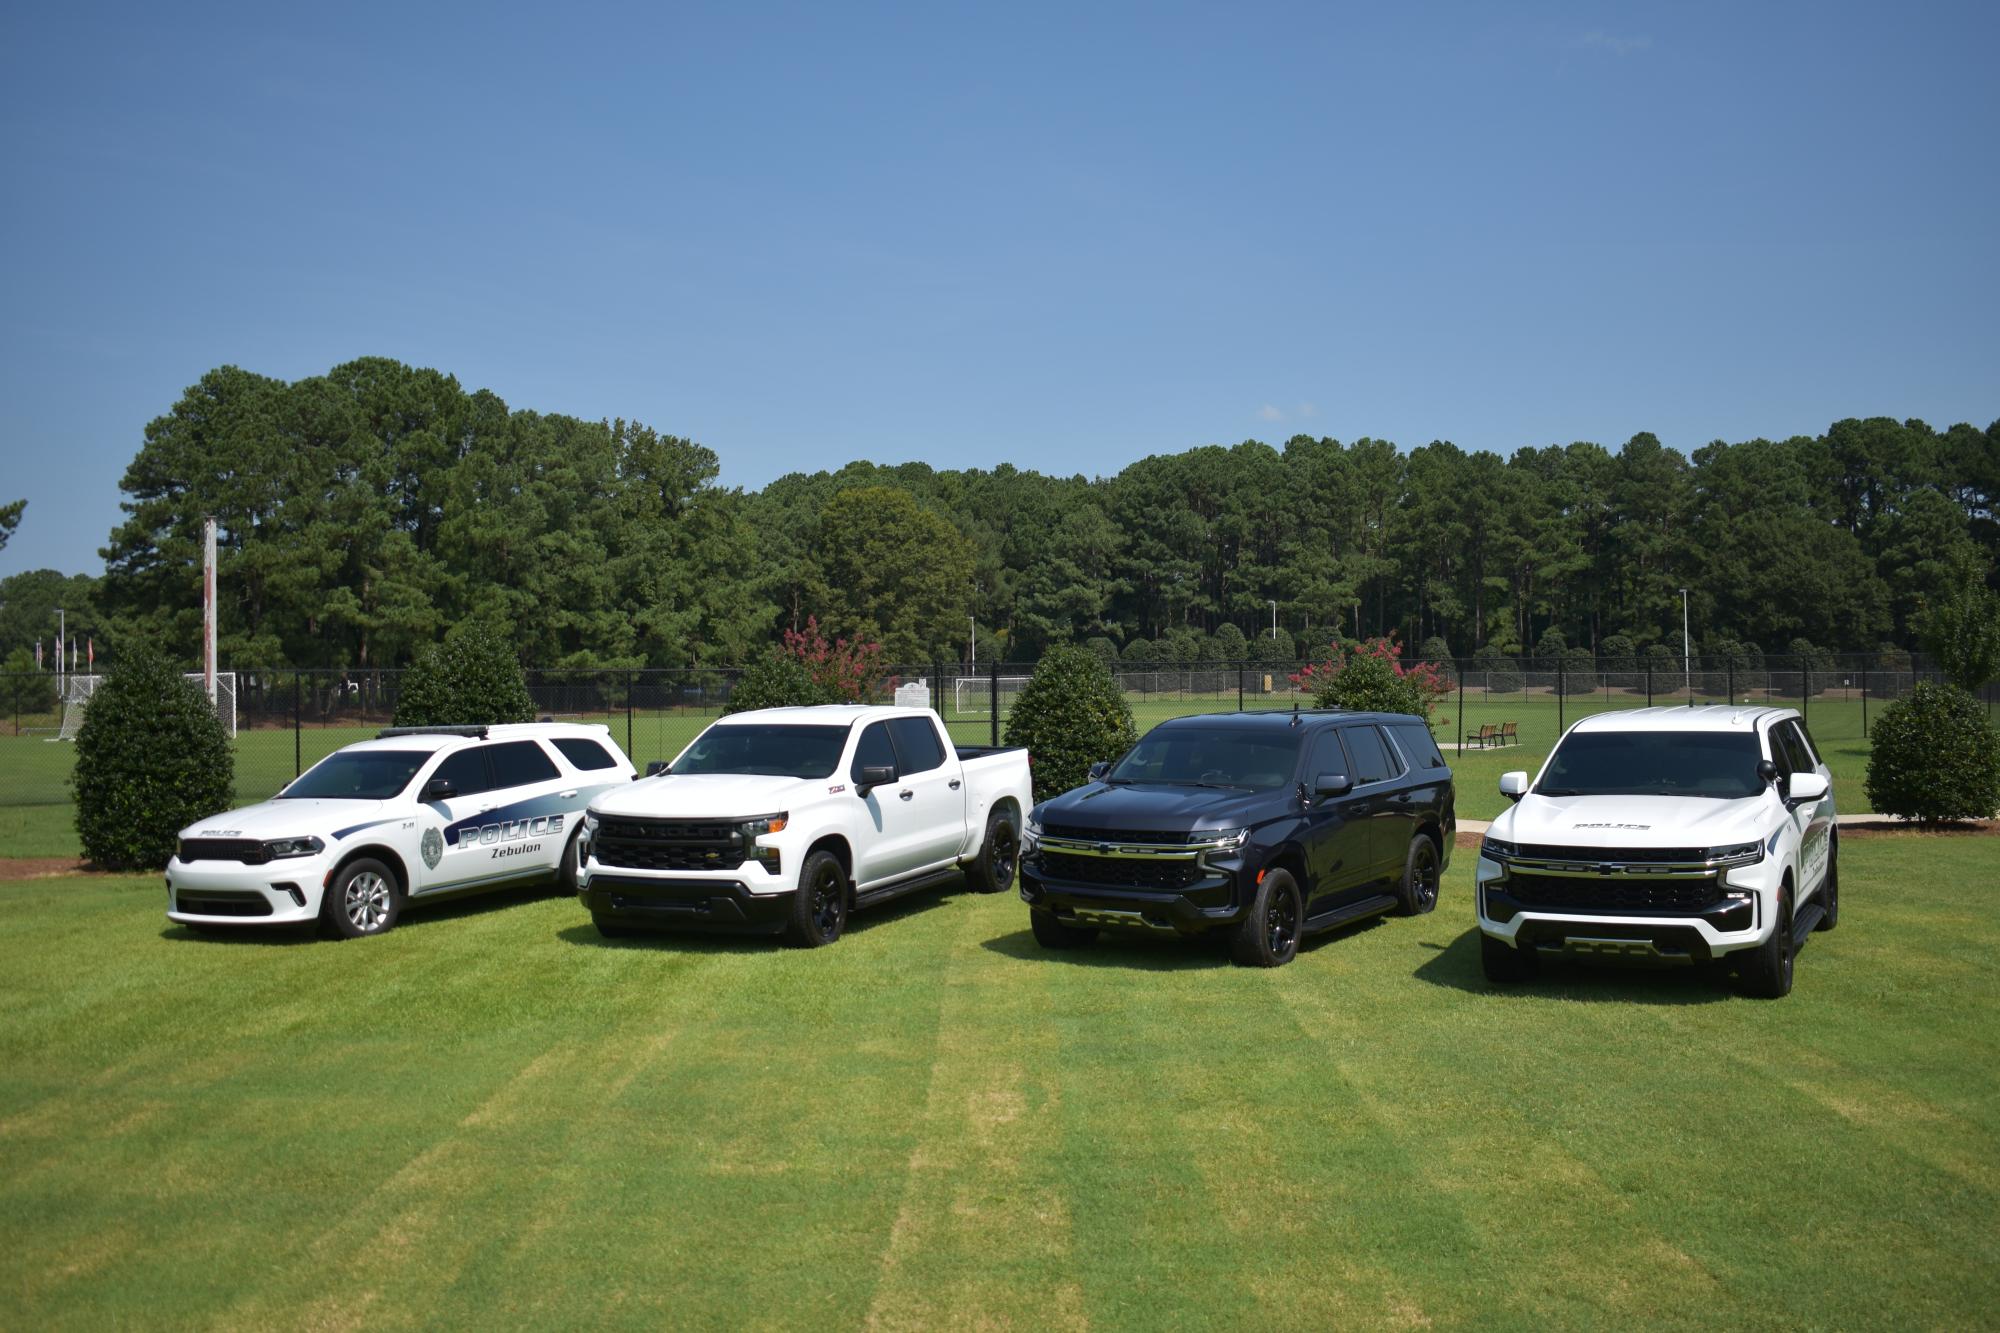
365 512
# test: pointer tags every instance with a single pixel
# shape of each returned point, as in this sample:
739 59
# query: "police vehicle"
417 814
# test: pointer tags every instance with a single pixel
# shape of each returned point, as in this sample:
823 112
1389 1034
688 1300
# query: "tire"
819 909
1268 935
1829 892
1505 963
566 869
1418 891
992 870
1053 934
610 929
1766 971
363 900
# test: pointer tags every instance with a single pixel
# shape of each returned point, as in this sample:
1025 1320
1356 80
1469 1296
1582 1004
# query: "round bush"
472 678
1369 684
151 758
1934 758
1500 673
1069 716
778 680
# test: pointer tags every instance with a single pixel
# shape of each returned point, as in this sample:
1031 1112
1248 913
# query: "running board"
929 879
1808 917
1340 916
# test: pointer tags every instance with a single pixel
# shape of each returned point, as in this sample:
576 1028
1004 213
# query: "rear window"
585 754
917 747
518 763
1417 746
1371 758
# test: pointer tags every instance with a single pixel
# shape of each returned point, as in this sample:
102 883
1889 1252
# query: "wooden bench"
1488 734
1507 735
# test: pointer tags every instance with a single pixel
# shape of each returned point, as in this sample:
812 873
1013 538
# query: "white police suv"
418 813
1677 835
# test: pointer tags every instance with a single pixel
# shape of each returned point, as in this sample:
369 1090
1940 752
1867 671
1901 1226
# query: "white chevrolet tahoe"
1677 835
784 819
417 814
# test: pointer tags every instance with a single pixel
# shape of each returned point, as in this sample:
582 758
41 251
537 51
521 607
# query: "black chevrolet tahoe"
1258 826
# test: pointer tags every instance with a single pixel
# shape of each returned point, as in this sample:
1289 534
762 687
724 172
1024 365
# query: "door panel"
892 849
1391 813
937 793
1336 834
458 821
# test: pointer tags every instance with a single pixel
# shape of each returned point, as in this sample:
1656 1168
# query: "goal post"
219 689
972 696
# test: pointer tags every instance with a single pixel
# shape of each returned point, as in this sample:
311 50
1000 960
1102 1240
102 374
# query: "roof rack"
476 732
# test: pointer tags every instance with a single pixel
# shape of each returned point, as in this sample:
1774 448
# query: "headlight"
590 821
1497 849
1031 833
1222 840
279 848
763 824
1741 854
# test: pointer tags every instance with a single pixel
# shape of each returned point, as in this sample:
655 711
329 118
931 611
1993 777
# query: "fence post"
1460 671
993 697
1649 684
628 713
1732 683
298 725
937 686
1559 696
1805 693
1864 703
1239 687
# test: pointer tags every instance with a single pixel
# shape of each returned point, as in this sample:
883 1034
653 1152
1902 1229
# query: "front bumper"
685 902
1740 916
1209 902
229 893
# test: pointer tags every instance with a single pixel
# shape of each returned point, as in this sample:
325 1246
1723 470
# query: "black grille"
661 844
1121 872
247 850
1154 837
220 903
1612 893
1680 855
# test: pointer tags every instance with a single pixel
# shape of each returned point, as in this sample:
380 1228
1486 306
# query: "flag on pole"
90 653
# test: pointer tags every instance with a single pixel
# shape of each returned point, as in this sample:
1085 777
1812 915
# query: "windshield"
770 749
1719 764
357 775
1202 757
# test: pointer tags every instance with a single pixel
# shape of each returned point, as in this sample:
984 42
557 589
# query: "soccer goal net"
77 692
972 696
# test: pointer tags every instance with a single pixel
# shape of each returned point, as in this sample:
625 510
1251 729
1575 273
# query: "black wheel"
1766 971
1268 935
819 908
362 900
1053 934
992 871
610 929
567 868
1829 892
1418 893
1505 963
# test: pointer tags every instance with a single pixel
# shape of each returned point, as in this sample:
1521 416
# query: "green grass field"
35 819
491 1116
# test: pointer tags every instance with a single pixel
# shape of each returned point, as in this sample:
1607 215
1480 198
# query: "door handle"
567 794
905 794
955 784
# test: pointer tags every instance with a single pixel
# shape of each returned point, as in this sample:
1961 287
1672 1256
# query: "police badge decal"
432 847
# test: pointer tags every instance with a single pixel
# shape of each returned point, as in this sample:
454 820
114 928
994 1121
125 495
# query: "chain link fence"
289 720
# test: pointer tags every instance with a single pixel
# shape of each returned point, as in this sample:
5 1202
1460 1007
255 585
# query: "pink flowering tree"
846 670
1371 677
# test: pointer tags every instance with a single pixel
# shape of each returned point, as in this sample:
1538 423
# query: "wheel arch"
837 844
376 851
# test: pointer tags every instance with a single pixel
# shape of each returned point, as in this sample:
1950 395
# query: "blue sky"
1063 237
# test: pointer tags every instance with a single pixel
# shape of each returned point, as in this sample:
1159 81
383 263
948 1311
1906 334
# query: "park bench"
1488 734
1507 735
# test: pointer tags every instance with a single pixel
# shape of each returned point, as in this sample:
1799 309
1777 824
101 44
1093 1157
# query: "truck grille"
667 844
221 902
1145 837
246 850
1122 872
1672 855
1612 894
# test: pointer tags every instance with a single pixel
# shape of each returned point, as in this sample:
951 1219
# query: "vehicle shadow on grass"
1456 966
697 940
417 918
1161 953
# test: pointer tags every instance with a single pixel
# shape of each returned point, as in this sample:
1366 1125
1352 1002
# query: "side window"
1795 747
917 746
1370 756
874 750
518 763
1417 746
466 771
1808 753
585 754
1776 736
1326 757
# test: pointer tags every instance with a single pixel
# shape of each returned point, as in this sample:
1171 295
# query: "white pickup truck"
1677 835
785 819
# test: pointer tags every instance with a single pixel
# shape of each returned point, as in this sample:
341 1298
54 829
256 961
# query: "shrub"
151 758
847 670
1933 758
1229 644
1435 649
469 679
1069 716
1372 678
1103 650
1961 629
1579 671
1815 666
777 680
1551 645
1501 673
25 688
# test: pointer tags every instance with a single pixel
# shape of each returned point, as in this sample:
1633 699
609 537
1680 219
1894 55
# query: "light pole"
62 631
973 652
1274 621
1687 649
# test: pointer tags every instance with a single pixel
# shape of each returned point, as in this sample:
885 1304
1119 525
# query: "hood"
1102 807
711 795
1613 822
286 819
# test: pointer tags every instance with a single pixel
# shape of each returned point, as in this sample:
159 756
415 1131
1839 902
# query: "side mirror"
438 789
1514 785
655 767
1332 784
1098 770
873 776
1767 772
1806 787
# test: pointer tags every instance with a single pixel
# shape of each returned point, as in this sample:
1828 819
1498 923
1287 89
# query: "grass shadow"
1456 966
694 939
1113 948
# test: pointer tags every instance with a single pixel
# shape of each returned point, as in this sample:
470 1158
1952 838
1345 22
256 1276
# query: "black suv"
1262 826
